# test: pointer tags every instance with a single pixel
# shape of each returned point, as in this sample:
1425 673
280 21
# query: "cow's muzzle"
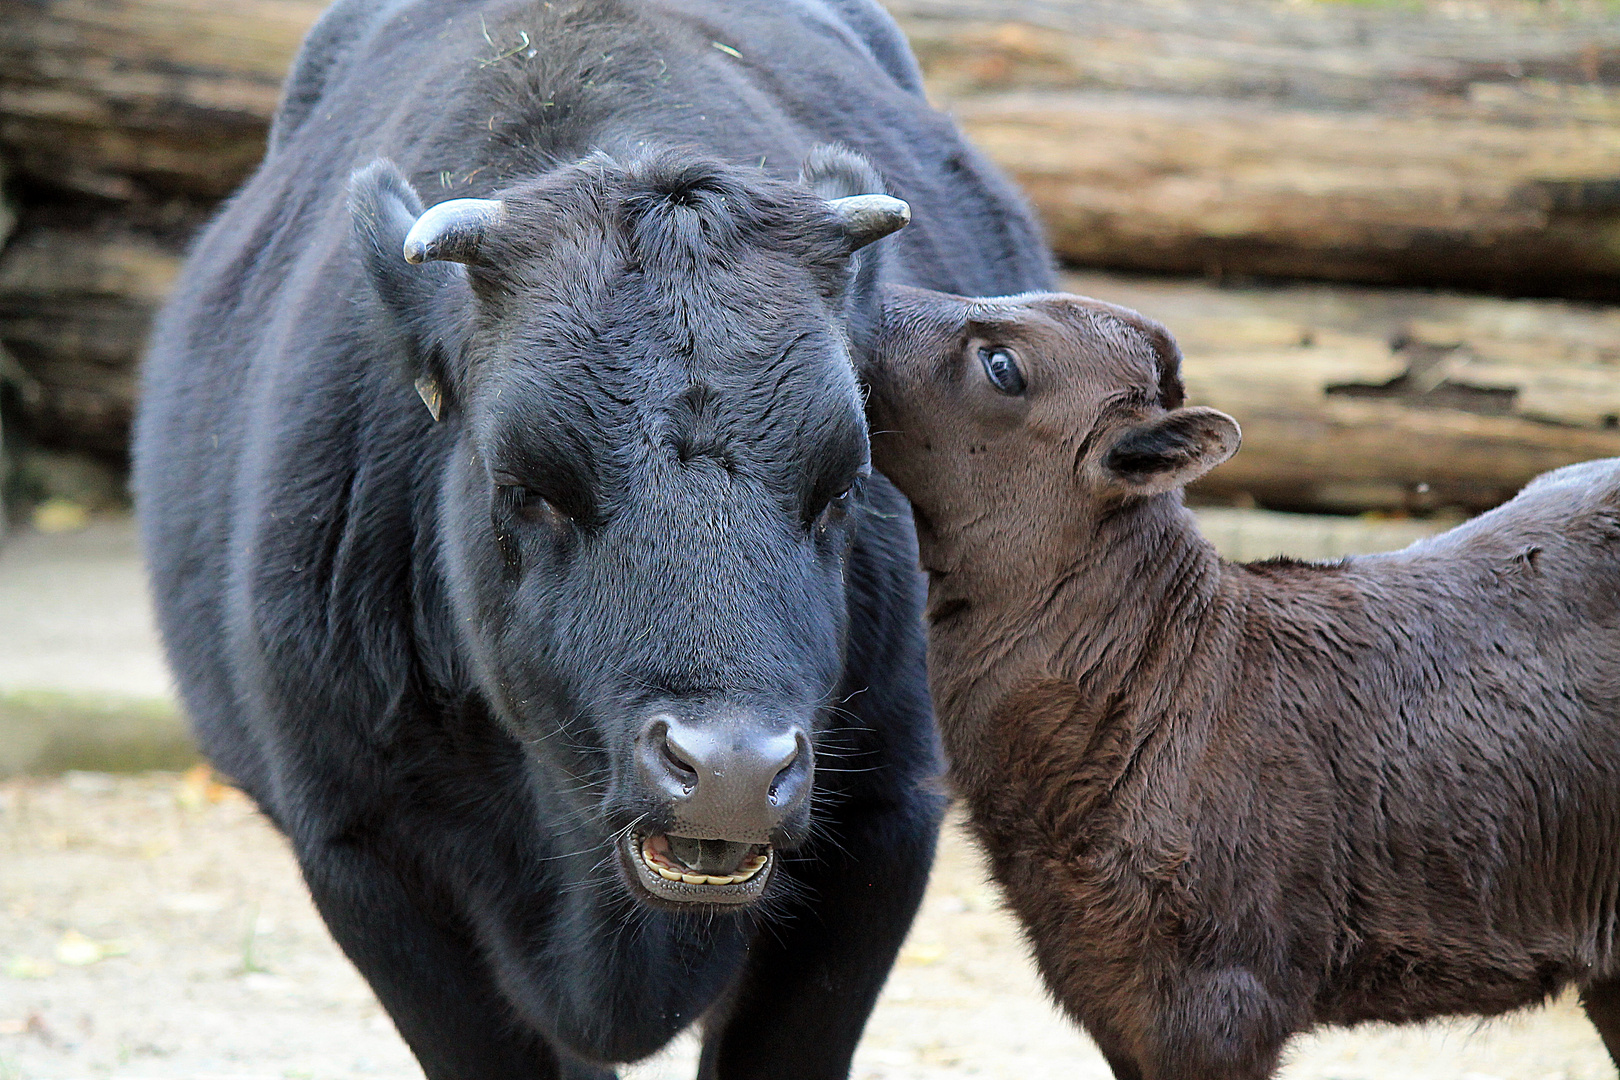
732 786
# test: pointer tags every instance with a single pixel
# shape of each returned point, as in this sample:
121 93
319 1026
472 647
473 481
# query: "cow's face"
658 478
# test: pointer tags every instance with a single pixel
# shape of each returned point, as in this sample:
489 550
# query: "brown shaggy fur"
1230 802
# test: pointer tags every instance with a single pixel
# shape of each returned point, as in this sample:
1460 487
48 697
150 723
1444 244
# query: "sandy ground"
77 616
155 927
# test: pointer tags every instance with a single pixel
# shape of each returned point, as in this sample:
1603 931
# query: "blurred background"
1386 233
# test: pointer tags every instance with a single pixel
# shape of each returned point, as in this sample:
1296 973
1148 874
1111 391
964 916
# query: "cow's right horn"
451 231
866 218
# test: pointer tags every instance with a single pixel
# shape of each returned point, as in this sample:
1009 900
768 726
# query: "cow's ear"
1171 451
855 194
430 304
845 179
837 172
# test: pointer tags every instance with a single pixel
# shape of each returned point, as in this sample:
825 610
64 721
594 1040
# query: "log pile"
1474 143
143 100
122 124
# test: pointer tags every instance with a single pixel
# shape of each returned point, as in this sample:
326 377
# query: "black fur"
421 646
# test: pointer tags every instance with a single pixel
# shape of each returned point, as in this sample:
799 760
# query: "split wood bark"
130 98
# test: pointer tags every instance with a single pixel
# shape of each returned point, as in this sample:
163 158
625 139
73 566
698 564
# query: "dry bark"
1245 188
1472 144
124 98
75 305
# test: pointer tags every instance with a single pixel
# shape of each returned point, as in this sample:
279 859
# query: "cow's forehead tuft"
670 212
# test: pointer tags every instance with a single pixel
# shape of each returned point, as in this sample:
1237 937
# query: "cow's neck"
1101 635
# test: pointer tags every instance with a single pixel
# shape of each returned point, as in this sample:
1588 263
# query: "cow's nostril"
679 766
792 777
668 766
680 758
729 777
784 781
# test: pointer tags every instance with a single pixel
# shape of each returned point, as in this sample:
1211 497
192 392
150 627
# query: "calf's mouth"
694 870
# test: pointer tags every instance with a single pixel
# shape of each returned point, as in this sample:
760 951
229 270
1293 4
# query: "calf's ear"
429 305
1172 451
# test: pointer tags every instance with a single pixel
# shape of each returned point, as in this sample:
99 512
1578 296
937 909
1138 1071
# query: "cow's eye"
1001 367
532 506
837 508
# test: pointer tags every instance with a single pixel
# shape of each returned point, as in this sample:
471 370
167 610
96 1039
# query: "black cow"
590 695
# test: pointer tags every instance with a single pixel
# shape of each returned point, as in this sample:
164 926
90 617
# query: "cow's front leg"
431 978
812 978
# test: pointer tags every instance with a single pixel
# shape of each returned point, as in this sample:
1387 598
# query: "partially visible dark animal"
1230 802
586 676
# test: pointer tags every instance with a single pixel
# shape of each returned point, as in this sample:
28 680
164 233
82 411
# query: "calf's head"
645 371
1014 423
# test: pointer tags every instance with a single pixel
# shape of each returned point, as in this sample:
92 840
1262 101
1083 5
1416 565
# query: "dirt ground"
155 927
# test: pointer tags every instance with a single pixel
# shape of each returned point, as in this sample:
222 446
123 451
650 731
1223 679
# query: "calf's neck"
1233 801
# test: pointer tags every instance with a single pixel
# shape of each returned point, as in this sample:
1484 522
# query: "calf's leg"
1602 1003
1123 1068
1220 1024
1120 1061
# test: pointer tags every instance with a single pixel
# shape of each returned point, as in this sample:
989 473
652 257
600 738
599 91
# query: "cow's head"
659 453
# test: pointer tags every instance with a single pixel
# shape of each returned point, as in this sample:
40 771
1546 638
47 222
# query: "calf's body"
1230 802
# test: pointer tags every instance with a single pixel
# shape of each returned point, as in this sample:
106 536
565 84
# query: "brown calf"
1230 802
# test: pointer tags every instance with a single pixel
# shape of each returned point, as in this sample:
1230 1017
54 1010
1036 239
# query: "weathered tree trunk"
125 122
1466 144
1474 145
127 99
1245 188
75 305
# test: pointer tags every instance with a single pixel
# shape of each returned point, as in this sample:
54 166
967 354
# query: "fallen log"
75 305
1244 188
1497 57
1311 138
1471 143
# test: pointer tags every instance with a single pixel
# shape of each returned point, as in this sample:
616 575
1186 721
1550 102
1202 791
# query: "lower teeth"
750 867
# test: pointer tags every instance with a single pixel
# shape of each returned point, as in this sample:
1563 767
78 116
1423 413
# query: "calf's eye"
1001 368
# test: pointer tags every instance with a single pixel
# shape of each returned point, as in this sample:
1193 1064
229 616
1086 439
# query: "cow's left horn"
451 231
866 218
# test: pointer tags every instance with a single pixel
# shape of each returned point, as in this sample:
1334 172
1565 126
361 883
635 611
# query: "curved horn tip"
866 218
451 231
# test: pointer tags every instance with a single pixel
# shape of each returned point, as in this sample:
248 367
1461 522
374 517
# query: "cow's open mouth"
687 870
